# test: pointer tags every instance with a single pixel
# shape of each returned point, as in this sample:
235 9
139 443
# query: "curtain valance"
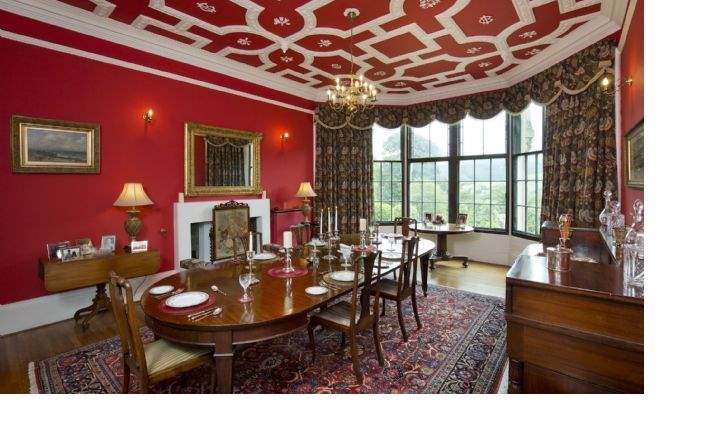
571 76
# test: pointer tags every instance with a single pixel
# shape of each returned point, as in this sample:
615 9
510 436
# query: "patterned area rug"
460 349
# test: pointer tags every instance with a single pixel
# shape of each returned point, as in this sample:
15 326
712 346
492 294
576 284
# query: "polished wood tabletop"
279 306
444 229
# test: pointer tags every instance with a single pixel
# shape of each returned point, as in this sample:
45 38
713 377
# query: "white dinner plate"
187 299
316 290
264 256
160 290
391 255
343 275
317 243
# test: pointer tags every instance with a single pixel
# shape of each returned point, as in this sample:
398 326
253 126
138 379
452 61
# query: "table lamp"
306 192
132 196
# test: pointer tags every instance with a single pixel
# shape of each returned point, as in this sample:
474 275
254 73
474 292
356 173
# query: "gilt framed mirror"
221 161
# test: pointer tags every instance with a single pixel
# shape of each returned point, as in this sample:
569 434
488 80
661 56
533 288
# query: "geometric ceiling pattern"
404 46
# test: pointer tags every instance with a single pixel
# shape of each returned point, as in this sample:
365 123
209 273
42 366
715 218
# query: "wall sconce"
148 116
610 88
284 137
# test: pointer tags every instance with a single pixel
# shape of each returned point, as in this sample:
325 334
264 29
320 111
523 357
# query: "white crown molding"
141 68
610 20
626 25
74 19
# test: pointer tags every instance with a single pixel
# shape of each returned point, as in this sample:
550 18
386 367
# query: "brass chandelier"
356 94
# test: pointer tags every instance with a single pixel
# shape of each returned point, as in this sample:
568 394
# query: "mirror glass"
221 161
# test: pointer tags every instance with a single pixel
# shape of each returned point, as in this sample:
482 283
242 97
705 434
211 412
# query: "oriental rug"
460 349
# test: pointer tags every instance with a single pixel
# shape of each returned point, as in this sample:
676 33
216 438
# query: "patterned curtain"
580 156
225 161
579 141
344 166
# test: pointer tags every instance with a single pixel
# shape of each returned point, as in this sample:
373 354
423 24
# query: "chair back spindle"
405 224
409 264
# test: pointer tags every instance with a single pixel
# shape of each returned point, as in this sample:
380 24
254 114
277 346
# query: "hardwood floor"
17 350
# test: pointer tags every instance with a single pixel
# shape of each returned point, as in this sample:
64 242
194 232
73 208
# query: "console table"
63 276
579 331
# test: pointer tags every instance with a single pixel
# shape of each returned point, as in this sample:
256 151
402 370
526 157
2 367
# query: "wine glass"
245 281
345 252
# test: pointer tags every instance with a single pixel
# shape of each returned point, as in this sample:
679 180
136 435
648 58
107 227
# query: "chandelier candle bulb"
287 239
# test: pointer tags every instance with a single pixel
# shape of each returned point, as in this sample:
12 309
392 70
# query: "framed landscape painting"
52 146
634 157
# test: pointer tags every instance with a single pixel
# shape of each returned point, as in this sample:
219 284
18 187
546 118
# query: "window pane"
520 219
483 192
416 192
483 170
531 193
520 168
531 138
483 216
386 143
494 135
498 169
498 193
430 141
520 193
531 222
471 136
397 188
498 216
429 171
465 170
465 192
397 172
531 167
429 192
416 171
442 171
442 192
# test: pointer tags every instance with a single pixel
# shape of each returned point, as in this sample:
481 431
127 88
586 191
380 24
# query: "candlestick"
287 239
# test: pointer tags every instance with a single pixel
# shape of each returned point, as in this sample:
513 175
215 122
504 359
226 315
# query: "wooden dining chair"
405 224
157 360
405 286
349 318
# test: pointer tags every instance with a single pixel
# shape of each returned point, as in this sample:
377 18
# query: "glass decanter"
605 215
637 225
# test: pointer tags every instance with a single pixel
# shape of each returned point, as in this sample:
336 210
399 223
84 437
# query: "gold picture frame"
230 227
634 157
194 130
49 146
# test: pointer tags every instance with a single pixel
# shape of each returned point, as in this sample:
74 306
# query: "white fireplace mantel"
187 213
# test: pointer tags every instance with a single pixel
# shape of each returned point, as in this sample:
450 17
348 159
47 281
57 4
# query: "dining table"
279 305
442 231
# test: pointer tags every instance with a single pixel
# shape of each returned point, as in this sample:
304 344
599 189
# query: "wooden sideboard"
62 276
573 332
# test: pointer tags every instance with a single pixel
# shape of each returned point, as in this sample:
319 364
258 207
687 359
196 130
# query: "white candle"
287 239
336 218
362 224
321 223
329 227
250 241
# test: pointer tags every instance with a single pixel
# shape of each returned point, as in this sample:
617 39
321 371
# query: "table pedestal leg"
223 356
99 304
442 252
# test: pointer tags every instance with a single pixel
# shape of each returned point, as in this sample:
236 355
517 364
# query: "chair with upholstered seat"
157 360
349 317
405 286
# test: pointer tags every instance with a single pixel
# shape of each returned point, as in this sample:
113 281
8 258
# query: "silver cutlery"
202 312
216 289
214 313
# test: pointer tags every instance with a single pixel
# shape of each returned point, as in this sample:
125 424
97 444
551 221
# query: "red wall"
631 100
42 208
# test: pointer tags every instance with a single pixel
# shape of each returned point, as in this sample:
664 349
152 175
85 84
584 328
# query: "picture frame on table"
462 219
54 249
54 147
634 157
138 246
71 253
231 222
86 246
107 243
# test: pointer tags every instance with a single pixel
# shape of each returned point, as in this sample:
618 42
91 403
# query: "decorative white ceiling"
414 50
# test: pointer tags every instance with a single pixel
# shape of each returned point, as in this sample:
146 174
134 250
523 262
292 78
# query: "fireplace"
192 221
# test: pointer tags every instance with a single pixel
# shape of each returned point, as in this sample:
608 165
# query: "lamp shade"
133 195
305 190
